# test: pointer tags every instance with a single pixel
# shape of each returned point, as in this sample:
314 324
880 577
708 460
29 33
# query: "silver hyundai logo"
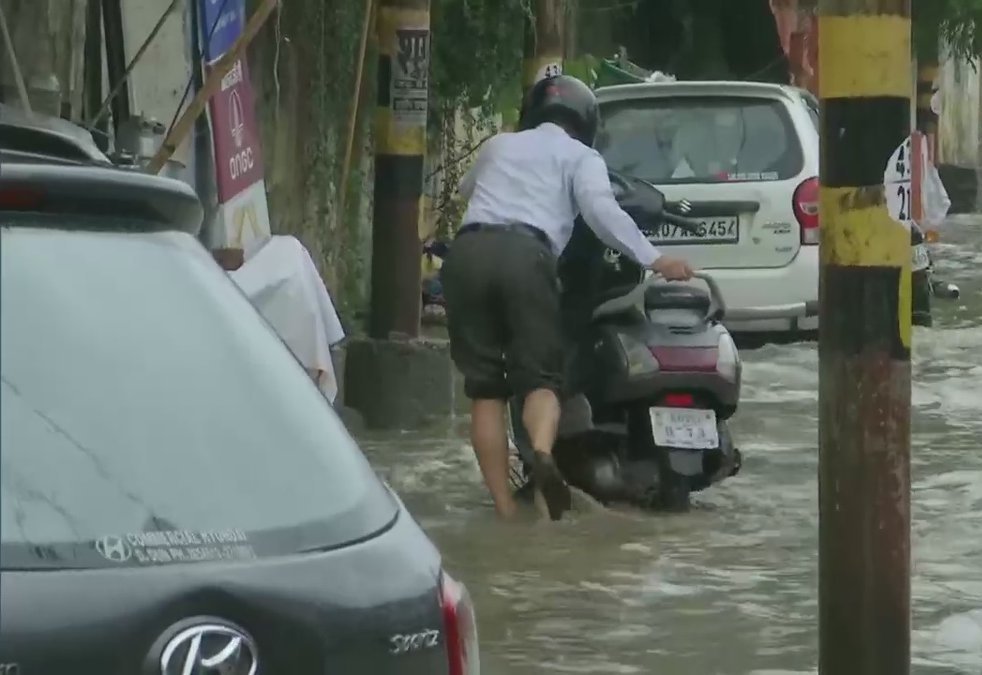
210 649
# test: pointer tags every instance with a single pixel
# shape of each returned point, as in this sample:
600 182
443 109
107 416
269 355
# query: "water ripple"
730 588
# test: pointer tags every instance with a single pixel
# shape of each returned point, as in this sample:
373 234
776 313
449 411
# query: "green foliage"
477 53
959 22
475 78
583 68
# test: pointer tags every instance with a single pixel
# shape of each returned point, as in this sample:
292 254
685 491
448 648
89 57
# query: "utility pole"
927 73
864 341
544 41
403 28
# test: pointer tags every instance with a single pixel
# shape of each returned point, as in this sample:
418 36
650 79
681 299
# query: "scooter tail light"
459 627
678 400
728 358
805 206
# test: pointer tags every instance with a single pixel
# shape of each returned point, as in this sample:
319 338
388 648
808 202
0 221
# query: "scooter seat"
619 302
677 297
612 294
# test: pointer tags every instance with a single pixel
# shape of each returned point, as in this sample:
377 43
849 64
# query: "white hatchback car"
741 158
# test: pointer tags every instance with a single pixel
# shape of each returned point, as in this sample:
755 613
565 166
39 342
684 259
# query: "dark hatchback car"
176 496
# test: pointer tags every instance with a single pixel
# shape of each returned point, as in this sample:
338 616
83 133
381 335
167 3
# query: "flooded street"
732 586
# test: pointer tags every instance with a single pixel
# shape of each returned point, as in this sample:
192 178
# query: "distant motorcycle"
432 286
924 284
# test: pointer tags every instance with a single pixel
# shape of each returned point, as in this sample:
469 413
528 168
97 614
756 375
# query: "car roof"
51 166
41 135
621 92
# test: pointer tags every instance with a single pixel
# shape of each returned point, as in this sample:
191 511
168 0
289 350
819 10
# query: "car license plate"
687 428
722 230
920 260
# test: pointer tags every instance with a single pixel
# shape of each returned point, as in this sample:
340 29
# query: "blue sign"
222 23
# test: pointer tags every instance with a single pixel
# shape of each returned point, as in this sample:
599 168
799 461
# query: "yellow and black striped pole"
543 42
864 342
403 28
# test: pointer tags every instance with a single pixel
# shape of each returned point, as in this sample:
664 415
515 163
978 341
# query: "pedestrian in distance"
524 192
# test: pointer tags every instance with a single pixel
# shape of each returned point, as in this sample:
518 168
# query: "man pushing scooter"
499 278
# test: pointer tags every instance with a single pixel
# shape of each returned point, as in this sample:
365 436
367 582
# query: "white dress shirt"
544 178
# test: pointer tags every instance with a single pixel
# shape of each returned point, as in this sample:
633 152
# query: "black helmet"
565 101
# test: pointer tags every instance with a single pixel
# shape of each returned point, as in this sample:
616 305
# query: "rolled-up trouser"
502 299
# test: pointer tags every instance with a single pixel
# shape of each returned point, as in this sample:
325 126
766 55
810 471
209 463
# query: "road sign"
223 21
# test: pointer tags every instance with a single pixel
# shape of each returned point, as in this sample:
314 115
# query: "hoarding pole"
400 150
543 41
864 342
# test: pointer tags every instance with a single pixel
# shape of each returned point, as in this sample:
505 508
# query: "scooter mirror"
642 200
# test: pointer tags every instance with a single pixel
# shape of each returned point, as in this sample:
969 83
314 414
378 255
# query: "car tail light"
459 627
678 401
20 198
805 205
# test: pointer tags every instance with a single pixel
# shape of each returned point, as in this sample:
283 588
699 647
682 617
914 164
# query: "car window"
700 139
151 416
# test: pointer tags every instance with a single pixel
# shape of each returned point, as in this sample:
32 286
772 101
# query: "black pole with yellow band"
864 342
403 28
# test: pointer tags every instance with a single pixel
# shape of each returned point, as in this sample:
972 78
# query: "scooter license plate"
687 428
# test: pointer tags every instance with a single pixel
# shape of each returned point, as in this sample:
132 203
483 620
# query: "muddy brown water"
730 588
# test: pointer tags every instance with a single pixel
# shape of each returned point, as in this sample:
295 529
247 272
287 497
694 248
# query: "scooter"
655 375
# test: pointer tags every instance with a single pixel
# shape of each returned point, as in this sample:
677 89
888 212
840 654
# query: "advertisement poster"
235 131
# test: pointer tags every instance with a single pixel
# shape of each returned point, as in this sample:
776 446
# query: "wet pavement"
732 586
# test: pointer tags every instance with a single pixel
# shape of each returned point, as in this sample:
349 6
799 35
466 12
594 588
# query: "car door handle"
713 209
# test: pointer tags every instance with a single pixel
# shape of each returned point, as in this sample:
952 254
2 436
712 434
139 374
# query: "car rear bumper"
772 300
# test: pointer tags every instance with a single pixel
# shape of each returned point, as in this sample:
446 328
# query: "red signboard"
238 153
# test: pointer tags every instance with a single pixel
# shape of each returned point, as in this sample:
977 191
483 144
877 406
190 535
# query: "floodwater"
730 588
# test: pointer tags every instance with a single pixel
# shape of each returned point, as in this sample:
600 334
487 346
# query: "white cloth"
934 198
282 283
543 177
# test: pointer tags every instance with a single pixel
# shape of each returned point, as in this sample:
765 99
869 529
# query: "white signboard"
897 183
553 69
246 217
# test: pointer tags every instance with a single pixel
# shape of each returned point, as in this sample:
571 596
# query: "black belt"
519 228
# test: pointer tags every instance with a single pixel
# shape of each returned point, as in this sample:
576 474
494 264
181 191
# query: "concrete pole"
403 28
978 156
544 41
927 73
864 343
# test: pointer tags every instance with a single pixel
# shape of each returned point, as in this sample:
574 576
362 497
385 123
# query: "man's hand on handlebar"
672 269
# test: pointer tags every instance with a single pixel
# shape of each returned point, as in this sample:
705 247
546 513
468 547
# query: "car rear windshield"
707 139
151 416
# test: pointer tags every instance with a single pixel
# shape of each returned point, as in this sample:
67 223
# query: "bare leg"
540 414
541 418
489 436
